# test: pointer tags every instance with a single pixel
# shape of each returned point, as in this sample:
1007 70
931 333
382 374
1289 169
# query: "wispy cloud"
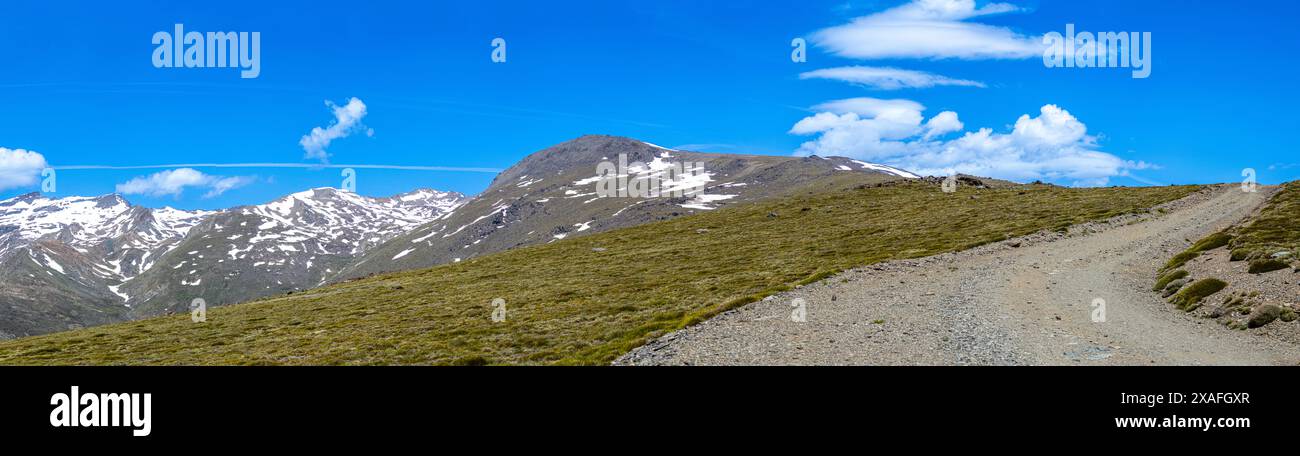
285 165
707 147
929 29
887 78
1052 146
173 182
19 167
347 120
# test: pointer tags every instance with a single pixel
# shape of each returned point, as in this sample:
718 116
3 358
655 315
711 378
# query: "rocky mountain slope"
552 195
78 261
64 259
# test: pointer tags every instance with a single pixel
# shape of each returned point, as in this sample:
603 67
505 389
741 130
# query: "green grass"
568 303
1189 298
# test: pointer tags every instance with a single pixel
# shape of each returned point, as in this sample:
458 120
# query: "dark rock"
1264 315
1215 312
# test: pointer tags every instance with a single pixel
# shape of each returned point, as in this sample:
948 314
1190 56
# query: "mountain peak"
26 197
583 151
110 200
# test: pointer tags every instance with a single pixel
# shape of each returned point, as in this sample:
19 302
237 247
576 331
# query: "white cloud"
221 184
929 29
886 78
1054 146
19 167
867 106
942 124
174 181
347 120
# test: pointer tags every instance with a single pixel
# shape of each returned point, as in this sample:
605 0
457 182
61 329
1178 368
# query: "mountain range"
78 261
73 262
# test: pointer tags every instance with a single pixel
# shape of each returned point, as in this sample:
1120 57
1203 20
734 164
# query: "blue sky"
716 76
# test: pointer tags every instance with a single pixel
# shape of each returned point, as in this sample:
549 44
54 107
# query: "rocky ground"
1077 298
1264 303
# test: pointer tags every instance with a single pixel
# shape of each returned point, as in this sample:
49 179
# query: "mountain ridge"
92 260
550 195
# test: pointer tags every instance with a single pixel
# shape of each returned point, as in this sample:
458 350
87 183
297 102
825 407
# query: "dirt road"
1030 301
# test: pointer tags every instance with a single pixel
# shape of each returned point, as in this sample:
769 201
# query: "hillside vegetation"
1275 230
1270 240
589 299
1253 293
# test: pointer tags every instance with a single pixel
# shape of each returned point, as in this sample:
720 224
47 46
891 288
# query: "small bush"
1180 259
1164 280
1288 315
1189 298
1212 242
1269 265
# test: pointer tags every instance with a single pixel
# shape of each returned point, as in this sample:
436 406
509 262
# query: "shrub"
1212 242
1180 259
1288 315
1189 298
1164 280
1269 265
1240 255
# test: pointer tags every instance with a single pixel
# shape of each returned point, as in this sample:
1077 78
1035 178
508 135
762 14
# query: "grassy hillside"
588 300
1275 229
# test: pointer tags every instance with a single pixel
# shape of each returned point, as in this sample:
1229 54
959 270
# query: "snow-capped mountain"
293 243
87 260
87 223
551 195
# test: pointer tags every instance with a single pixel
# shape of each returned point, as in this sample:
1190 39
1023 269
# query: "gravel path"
1025 301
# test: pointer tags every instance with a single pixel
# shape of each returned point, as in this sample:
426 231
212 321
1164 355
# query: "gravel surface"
1026 301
